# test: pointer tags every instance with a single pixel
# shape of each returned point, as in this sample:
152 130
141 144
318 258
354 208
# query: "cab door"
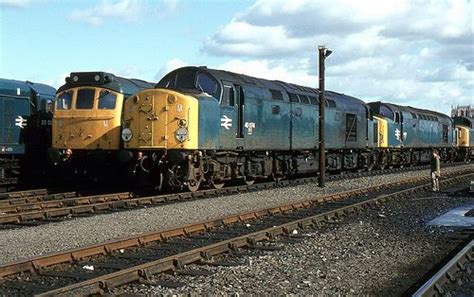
228 117
240 117
398 128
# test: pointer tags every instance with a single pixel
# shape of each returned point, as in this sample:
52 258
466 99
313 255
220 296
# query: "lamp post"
323 54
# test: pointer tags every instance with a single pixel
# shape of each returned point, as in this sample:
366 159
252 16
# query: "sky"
410 52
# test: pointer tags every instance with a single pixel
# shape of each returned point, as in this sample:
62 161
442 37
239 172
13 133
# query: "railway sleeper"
267 248
221 263
209 238
24 286
101 207
193 272
162 283
138 257
67 274
82 209
110 265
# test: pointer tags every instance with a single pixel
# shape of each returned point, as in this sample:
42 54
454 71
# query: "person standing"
435 170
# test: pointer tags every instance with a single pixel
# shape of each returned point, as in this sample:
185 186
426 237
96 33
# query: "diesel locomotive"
25 128
206 126
407 134
464 135
87 123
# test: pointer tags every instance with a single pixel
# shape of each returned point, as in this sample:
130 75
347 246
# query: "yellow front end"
382 132
87 118
161 119
463 136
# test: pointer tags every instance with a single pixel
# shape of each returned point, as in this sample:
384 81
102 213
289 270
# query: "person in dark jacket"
435 170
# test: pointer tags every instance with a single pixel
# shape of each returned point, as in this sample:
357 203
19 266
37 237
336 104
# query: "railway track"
17 210
24 194
450 273
102 267
27 207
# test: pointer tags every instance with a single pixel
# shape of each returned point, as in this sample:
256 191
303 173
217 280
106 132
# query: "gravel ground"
382 251
33 241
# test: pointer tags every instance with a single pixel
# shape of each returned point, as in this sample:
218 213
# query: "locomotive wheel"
217 184
249 180
193 185
372 161
383 160
277 178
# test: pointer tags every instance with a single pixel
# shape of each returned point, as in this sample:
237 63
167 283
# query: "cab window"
106 100
228 96
206 84
168 81
386 112
397 118
186 79
64 100
85 99
49 106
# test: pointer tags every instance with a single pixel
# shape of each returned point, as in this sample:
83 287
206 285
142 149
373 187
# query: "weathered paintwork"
18 101
465 131
463 136
87 129
208 128
155 115
258 121
92 128
410 127
382 138
336 136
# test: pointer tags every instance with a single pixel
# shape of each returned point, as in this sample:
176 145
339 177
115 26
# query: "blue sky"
413 52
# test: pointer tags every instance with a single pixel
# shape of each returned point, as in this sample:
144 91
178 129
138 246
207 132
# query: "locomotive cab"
87 121
464 137
21 133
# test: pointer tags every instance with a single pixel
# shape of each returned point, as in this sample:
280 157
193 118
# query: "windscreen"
107 100
64 100
85 99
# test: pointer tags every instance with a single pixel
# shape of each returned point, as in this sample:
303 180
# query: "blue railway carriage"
86 130
406 134
209 126
464 137
25 126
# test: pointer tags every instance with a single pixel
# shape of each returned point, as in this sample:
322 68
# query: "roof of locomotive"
464 121
412 110
42 89
242 79
16 88
126 86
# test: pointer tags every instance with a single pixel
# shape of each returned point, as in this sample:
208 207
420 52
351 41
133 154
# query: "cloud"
15 3
167 8
411 52
268 70
127 10
168 67
240 38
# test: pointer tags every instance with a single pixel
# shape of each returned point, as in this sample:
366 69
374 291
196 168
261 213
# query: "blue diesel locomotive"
407 134
25 127
210 126
206 126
